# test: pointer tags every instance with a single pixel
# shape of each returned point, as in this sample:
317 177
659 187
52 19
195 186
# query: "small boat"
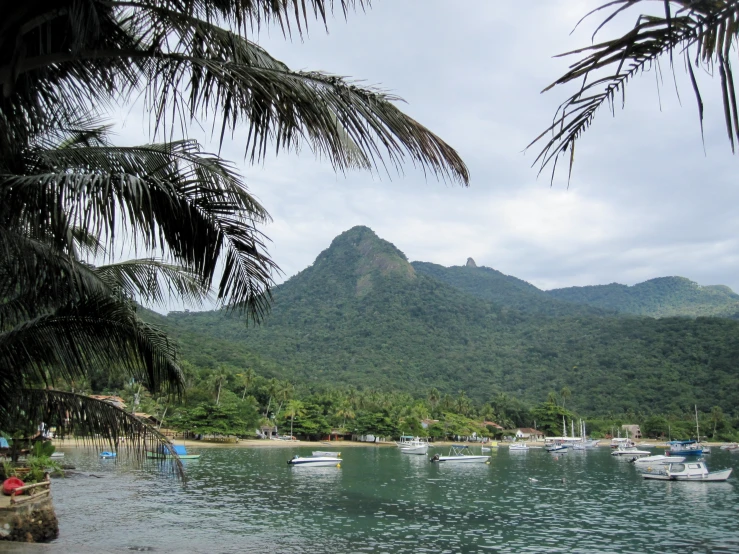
314 461
658 460
405 440
685 448
108 455
556 448
518 447
56 455
730 446
630 452
325 454
417 446
179 449
694 471
460 453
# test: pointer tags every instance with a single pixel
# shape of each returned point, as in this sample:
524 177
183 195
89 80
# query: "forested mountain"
661 297
362 315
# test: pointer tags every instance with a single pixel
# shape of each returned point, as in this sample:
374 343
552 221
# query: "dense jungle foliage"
362 316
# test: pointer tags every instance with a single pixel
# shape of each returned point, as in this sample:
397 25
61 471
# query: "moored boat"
659 459
315 461
460 453
685 448
179 449
628 452
694 471
518 447
106 455
326 454
417 446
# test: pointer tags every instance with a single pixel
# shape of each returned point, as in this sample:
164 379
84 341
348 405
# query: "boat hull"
158 456
419 450
714 476
462 459
315 461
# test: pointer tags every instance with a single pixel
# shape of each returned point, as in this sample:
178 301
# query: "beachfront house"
633 431
529 434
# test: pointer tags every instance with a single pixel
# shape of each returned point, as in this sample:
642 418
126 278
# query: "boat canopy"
180 450
682 442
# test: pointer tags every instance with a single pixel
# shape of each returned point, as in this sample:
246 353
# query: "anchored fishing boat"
460 453
314 461
694 471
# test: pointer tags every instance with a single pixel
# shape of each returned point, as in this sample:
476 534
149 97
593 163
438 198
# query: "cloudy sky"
645 199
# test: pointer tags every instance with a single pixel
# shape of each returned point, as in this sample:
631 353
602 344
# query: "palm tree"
65 190
294 408
62 200
566 394
247 378
216 379
702 32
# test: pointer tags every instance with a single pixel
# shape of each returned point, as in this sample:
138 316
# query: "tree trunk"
218 396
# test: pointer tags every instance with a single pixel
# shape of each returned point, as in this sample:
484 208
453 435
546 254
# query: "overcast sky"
645 200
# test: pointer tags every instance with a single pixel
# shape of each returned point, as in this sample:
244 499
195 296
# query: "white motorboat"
405 440
628 452
416 446
694 471
315 461
556 448
326 454
518 447
659 459
731 446
56 455
460 453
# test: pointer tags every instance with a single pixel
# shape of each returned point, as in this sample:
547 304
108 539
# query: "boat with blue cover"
106 455
685 448
162 454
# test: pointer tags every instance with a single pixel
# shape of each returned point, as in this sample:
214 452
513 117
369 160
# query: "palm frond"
190 67
96 332
190 206
96 422
153 281
703 31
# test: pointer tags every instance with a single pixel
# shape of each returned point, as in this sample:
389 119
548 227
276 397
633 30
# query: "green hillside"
362 315
661 297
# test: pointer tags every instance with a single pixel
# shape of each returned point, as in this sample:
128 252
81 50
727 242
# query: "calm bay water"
244 500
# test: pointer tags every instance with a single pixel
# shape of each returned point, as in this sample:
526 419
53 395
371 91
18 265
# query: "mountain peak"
358 257
471 263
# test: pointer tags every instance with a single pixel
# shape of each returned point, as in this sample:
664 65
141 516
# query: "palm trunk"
218 396
161 421
243 395
269 403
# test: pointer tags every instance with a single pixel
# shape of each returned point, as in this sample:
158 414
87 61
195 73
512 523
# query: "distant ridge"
660 297
504 290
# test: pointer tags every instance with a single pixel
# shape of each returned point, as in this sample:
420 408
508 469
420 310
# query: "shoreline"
267 443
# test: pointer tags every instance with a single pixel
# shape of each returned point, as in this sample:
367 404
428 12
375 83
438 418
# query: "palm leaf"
96 422
704 33
153 281
82 336
189 205
190 67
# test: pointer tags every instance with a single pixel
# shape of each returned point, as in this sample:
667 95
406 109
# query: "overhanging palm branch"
94 421
171 197
80 337
190 67
703 32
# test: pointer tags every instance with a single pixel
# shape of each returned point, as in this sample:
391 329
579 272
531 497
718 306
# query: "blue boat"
685 448
107 455
162 454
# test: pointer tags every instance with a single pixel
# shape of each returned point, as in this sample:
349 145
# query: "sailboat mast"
697 431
